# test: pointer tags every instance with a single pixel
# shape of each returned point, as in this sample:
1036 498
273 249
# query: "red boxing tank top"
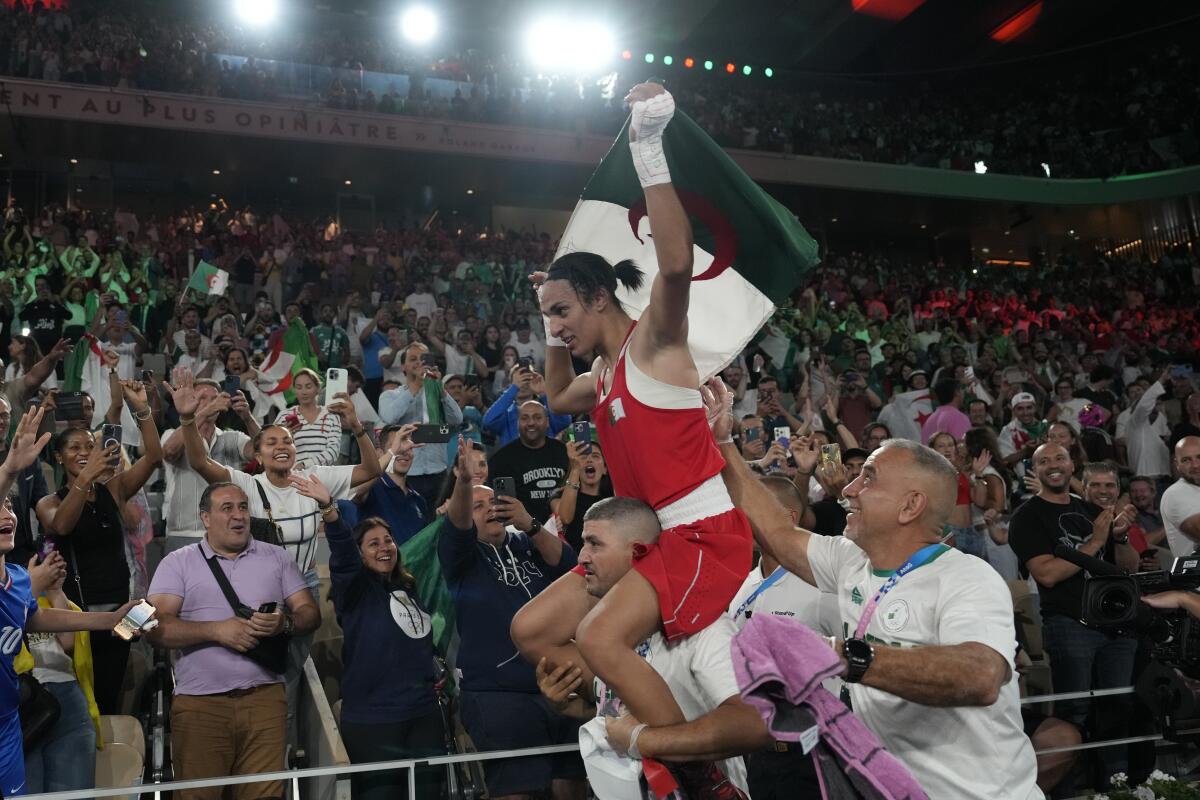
656 455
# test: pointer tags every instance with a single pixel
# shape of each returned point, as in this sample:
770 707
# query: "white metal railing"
410 765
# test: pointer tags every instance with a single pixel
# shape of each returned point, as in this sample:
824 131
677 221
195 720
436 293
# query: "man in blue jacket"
491 574
501 418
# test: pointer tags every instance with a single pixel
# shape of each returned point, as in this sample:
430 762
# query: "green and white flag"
207 279
750 251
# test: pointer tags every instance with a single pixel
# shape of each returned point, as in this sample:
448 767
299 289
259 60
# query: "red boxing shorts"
696 569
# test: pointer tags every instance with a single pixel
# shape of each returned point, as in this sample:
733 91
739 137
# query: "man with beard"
1081 658
536 464
1180 504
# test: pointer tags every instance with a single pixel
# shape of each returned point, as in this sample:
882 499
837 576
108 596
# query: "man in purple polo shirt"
229 716
948 417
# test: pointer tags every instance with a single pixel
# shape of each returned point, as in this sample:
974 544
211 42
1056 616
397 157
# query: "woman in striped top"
316 431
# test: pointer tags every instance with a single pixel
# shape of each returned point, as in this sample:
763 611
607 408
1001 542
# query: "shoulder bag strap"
222 581
266 503
75 570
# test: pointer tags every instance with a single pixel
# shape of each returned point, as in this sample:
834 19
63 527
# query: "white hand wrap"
650 118
633 752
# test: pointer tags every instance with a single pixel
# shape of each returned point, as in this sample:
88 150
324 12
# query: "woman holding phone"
84 519
389 709
316 431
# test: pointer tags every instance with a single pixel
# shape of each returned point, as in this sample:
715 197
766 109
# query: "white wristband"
632 752
650 161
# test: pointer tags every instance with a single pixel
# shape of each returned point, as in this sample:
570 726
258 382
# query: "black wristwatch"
537 526
859 656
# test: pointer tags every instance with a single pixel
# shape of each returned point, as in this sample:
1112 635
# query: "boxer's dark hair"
588 273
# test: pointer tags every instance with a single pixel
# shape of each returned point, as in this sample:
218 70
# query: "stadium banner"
318 125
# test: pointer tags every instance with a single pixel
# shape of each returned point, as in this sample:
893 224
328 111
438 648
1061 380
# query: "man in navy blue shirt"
491 574
388 496
502 418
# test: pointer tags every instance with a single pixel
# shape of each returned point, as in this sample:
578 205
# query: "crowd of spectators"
1077 373
1096 117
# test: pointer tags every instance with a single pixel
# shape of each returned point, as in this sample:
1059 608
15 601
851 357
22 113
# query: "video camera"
1112 603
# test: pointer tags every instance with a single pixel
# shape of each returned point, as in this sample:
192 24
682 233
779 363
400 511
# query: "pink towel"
780 664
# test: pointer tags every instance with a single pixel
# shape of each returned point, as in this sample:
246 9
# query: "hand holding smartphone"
581 433
139 618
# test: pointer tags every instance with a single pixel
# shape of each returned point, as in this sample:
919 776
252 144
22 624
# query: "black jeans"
391 741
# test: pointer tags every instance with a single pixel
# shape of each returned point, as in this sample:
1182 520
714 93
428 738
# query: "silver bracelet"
632 752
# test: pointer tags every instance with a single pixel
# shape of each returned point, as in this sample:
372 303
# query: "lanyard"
762 587
922 556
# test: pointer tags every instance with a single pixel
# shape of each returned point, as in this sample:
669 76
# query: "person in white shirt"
391 358
461 358
185 485
770 589
1180 504
1143 429
697 668
932 673
421 300
527 345
1067 404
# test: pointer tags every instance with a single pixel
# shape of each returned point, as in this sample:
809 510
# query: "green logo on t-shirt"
856 596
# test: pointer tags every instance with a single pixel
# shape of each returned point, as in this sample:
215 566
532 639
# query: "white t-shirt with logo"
1180 501
954 753
790 596
699 672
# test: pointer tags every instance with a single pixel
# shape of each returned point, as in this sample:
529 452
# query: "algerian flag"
421 559
750 251
905 415
780 347
292 352
207 279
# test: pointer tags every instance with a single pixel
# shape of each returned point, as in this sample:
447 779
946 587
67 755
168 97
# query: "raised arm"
186 402
40 371
770 521
24 448
664 322
368 465
458 508
133 479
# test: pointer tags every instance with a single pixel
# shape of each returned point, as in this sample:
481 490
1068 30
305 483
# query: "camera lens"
1115 604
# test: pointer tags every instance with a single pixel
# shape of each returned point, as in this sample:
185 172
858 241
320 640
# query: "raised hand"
183 393
806 453
135 395
512 511
343 406
26 444
575 455
311 487
653 107
981 462
61 348
833 477
718 406
99 462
